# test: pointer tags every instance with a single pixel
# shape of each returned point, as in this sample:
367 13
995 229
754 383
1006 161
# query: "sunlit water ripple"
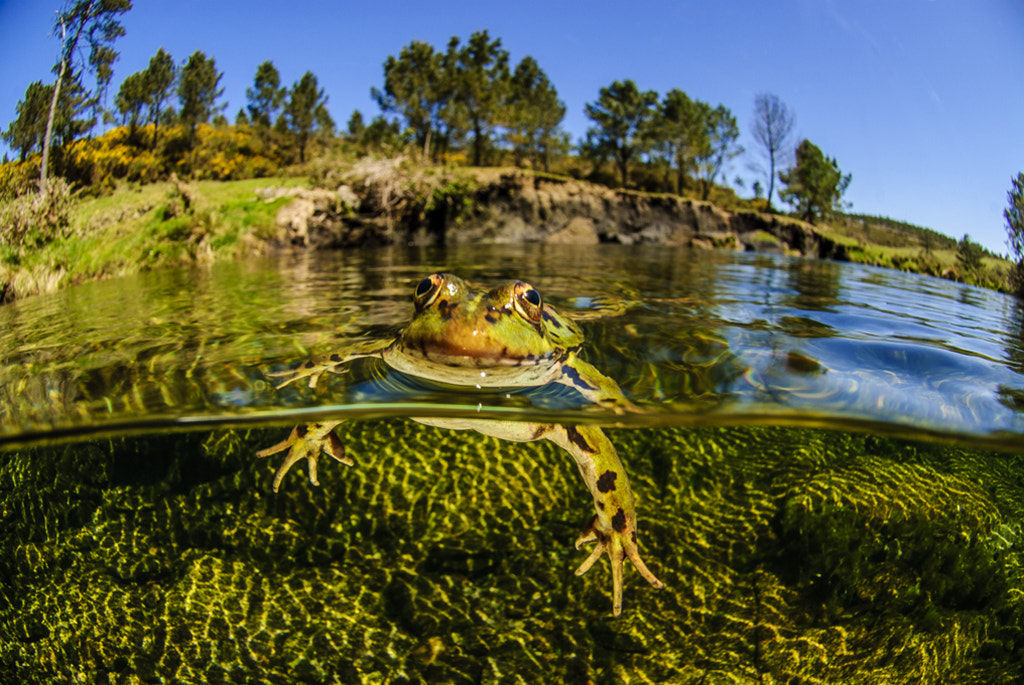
701 338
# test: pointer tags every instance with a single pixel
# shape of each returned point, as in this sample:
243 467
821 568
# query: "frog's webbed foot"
307 442
618 546
311 370
314 370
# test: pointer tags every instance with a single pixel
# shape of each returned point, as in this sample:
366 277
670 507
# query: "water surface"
813 471
694 338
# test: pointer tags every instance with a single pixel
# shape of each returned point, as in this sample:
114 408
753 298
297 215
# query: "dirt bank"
511 206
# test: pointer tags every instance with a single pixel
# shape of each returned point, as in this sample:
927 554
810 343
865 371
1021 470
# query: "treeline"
927 237
167 116
464 102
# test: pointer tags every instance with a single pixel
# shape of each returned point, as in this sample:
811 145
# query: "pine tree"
815 185
306 111
266 97
97 21
1014 215
623 115
198 93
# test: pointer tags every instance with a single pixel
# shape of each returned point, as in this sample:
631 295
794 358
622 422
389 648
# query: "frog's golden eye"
528 302
427 291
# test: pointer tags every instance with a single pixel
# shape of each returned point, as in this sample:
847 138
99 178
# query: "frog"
507 337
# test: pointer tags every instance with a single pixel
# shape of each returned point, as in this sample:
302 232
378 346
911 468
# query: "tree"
773 130
1014 215
679 133
161 75
717 144
25 133
356 126
533 113
413 88
623 115
131 101
969 255
479 73
815 185
103 57
306 111
383 135
266 95
98 21
198 92
143 96
28 130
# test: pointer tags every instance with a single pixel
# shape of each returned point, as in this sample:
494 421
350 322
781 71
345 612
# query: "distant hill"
881 230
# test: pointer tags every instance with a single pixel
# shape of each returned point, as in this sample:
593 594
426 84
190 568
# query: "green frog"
502 338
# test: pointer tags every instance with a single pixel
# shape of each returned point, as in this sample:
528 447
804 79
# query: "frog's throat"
482 371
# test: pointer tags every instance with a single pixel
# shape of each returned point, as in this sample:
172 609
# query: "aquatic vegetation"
787 554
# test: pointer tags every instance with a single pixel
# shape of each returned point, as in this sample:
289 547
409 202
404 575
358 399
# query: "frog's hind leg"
614 527
307 442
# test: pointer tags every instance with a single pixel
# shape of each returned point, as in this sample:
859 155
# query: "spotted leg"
613 527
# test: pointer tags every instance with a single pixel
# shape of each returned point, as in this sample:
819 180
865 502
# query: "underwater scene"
595 464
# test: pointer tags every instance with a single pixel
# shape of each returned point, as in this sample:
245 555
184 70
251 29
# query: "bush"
18 178
32 220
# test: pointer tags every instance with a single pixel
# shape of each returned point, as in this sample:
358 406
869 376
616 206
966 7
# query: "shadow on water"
807 554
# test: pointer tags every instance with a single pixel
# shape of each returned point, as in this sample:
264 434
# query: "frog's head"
458 326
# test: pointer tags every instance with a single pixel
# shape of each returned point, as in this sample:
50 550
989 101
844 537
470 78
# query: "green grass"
140 228
911 250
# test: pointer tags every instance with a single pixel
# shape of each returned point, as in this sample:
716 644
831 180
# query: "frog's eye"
528 302
427 291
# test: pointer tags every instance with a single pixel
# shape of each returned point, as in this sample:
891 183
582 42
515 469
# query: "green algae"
788 555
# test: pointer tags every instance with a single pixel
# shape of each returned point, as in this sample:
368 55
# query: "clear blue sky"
921 100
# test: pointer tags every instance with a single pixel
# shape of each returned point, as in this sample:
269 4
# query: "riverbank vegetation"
137 185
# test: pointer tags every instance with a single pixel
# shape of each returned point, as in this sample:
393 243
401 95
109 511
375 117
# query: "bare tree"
773 130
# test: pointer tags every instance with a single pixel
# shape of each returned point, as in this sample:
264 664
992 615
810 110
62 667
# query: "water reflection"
694 336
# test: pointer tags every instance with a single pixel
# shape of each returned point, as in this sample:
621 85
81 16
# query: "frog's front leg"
315 369
613 528
593 385
307 442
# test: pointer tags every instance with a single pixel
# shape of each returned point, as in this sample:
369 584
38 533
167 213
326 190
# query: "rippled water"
695 338
813 468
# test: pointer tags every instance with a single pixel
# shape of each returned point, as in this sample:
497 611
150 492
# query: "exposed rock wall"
519 207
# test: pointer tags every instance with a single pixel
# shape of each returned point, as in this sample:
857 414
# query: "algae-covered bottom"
789 555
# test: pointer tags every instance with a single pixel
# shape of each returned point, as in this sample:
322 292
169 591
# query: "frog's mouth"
452 354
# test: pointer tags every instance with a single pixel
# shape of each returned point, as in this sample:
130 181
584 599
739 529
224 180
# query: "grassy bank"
893 245
141 227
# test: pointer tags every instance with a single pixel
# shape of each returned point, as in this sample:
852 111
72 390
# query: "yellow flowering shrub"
18 177
118 154
232 152
220 153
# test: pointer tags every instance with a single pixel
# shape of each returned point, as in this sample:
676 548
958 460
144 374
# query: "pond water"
828 462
